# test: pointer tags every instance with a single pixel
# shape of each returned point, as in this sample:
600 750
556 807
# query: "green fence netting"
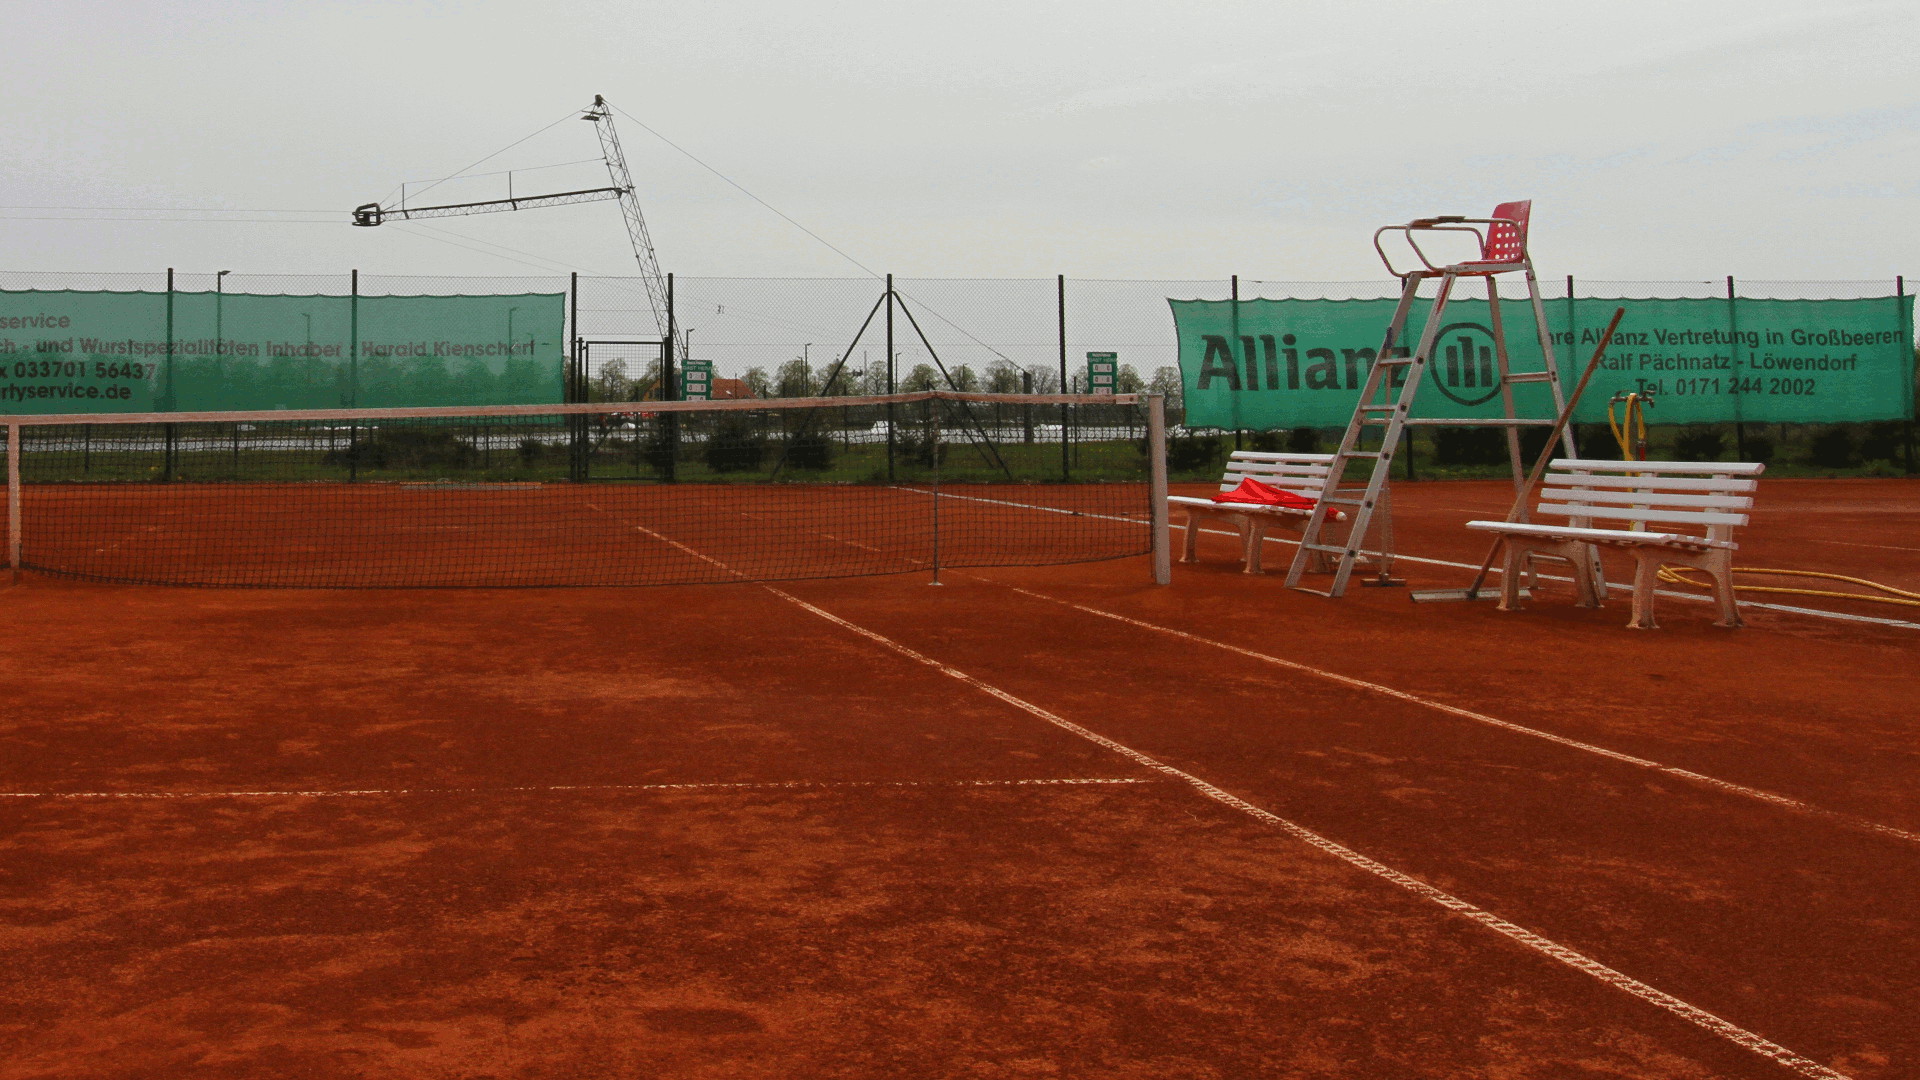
1262 364
83 352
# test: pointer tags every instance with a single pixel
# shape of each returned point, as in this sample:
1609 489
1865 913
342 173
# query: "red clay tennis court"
1044 821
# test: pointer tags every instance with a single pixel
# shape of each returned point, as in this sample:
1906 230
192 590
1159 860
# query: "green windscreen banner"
1263 364
85 352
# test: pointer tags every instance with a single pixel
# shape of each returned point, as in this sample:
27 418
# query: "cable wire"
570 114
742 190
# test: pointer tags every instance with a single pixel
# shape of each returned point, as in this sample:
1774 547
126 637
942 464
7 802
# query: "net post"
1157 488
13 504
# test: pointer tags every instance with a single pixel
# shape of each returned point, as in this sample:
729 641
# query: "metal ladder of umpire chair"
1386 401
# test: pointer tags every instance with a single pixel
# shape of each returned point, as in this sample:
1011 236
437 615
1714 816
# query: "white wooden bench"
1696 504
1302 474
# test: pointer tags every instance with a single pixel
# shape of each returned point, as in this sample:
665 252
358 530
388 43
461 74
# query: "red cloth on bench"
1253 491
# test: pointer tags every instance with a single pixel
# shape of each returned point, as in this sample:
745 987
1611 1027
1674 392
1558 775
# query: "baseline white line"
1578 961
1702 779
769 785
1693 1014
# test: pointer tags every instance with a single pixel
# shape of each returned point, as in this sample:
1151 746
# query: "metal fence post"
1066 411
892 413
935 403
1733 327
1233 321
353 344
13 502
1157 488
169 433
671 422
1900 318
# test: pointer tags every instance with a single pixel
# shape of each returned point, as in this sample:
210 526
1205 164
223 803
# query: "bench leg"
1646 576
1721 570
1191 551
1256 535
1587 592
1515 562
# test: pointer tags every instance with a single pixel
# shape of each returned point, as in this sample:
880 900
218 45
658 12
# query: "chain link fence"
801 337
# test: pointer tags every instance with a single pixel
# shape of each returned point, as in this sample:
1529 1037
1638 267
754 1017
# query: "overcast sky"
1095 138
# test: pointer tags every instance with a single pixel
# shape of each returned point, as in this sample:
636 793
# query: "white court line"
1818 613
1854 543
1728 786
1578 961
1726 1029
769 785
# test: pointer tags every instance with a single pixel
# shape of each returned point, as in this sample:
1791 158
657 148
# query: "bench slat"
1730 468
1608 499
1271 455
1653 483
1686 517
1605 536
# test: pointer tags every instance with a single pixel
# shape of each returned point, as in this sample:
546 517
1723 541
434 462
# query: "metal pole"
935 406
890 410
13 502
353 377
1733 326
667 385
1900 318
576 379
1066 411
166 400
1233 319
1157 488
353 344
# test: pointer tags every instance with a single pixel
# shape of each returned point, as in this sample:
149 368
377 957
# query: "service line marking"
1726 1029
767 785
1702 779
1579 961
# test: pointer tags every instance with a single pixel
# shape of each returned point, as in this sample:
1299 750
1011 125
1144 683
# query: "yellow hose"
1674 576
1624 431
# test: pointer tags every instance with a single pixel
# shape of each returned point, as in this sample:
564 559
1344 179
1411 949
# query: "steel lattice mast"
656 283
601 114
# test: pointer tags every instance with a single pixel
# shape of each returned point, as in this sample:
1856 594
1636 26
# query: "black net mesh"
601 497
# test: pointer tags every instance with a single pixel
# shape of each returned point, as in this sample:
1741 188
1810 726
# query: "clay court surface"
1049 822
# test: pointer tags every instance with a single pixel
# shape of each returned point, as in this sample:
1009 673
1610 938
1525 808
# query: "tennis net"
638 493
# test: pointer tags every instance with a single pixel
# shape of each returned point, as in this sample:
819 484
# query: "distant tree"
610 383
965 380
757 381
1128 381
1045 379
794 379
1002 378
922 377
1166 381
